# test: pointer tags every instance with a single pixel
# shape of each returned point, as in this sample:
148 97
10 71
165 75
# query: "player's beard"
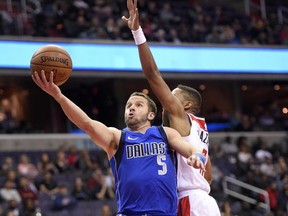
136 122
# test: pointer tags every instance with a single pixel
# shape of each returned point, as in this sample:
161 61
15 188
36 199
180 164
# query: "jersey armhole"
120 150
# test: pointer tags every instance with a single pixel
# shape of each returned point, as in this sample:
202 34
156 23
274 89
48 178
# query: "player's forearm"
148 63
73 112
190 150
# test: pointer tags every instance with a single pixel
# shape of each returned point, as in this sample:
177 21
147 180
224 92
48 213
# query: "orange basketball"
52 58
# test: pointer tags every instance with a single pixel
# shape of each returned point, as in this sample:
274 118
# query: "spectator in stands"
109 180
94 183
30 208
12 175
281 166
229 146
27 189
8 192
45 164
13 208
273 195
85 163
97 20
79 190
26 168
106 210
60 161
98 187
72 157
282 199
47 184
244 155
28 193
267 167
63 200
260 149
8 164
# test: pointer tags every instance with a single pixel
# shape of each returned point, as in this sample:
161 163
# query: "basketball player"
141 155
180 107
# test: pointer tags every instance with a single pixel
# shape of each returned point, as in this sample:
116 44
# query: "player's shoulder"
168 130
115 131
171 133
199 120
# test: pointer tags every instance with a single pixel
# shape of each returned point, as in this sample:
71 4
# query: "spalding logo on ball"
52 58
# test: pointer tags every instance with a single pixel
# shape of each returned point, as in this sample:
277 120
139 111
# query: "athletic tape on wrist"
201 157
138 36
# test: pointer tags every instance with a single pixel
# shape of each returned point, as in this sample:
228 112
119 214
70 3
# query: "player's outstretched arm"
194 157
101 135
149 66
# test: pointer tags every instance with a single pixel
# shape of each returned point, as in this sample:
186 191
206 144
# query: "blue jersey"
145 174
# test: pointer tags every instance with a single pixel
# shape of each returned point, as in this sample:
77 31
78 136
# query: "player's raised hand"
47 86
133 20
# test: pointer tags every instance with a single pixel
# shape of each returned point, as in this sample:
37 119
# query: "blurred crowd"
256 163
178 22
57 182
267 116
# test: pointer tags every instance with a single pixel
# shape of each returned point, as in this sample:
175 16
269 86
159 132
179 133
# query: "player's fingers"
34 75
51 77
36 78
199 164
191 160
125 19
202 166
195 162
43 77
129 4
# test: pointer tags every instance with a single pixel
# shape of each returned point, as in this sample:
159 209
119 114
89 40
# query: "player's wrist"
201 157
138 36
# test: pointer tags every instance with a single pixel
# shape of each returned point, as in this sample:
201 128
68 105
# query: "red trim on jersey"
200 121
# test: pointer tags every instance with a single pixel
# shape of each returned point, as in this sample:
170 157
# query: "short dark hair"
151 104
193 95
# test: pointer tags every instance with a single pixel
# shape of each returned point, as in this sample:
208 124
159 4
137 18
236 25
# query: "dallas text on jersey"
145 149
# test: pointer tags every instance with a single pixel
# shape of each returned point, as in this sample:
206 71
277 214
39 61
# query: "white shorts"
198 203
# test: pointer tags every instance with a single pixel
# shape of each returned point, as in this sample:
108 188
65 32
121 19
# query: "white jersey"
190 178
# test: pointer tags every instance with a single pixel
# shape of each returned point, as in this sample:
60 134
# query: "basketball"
52 58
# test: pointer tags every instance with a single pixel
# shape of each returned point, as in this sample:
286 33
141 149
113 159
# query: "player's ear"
188 105
151 116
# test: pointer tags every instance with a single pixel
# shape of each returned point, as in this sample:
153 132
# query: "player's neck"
140 128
